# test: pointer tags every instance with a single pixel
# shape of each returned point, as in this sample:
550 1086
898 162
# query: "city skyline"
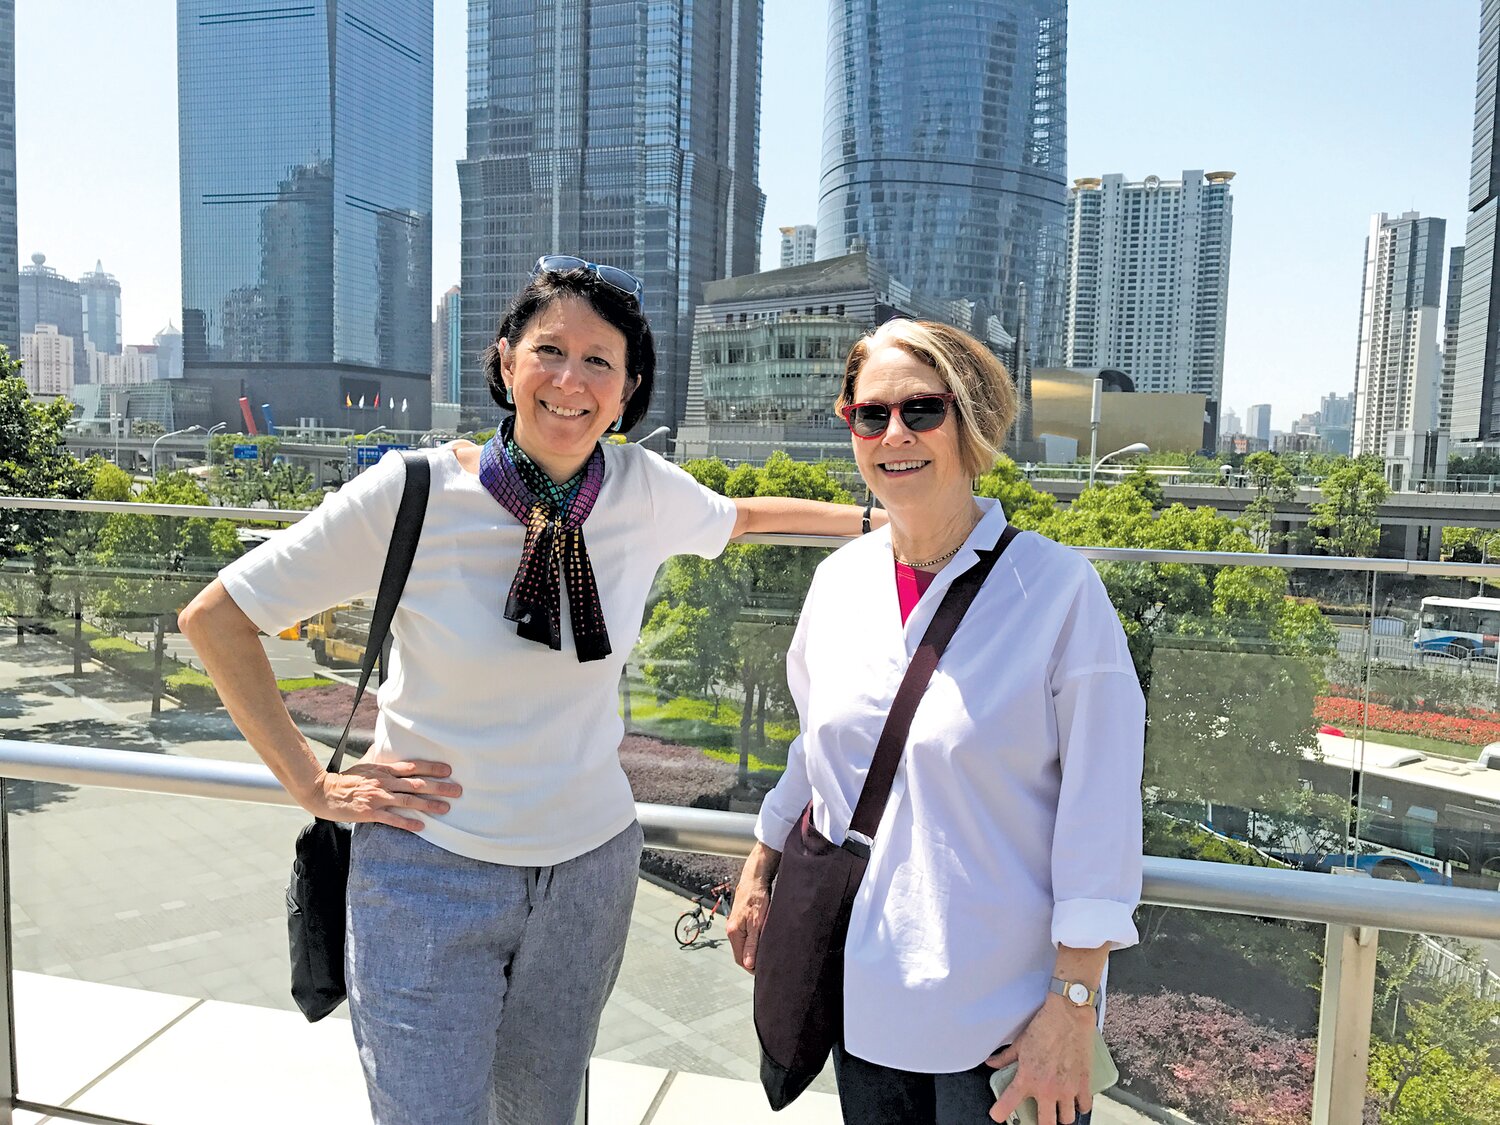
1311 180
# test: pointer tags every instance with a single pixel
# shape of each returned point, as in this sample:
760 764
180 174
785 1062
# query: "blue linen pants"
476 988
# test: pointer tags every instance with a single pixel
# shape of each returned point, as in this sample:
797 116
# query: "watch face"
1078 994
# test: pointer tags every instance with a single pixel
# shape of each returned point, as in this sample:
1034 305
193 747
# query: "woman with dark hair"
491 812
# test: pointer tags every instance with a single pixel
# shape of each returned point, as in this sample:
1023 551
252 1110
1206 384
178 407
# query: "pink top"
911 584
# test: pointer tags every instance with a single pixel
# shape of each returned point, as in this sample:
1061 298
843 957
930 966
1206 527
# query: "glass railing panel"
1237 663
1215 1016
147 932
685 1007
1429 806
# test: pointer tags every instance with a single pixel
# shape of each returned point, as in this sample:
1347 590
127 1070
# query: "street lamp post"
158 441
654 433
208 441
1096 415
114 424
1133 447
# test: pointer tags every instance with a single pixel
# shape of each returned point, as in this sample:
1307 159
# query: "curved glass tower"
945 152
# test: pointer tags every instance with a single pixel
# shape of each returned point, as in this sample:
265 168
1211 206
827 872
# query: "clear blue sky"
1328 110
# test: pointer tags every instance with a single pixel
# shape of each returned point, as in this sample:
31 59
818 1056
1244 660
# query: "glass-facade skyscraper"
306 168
623 131
1475 411
945 152
101 310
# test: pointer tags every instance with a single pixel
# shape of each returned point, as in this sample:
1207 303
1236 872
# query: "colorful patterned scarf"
553 516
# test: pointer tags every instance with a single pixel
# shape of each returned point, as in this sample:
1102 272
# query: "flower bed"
667 773
1477 728
1199 1055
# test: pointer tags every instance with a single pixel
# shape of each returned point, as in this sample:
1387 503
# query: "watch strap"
1063 988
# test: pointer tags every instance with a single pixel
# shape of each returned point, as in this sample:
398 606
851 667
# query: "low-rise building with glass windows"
768 352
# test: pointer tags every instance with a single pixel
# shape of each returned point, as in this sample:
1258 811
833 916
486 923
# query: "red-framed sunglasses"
920 414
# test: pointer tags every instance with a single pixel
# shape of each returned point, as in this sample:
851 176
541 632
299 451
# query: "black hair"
619 309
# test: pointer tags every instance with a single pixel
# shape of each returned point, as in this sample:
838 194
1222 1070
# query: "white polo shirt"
1014 824
532 734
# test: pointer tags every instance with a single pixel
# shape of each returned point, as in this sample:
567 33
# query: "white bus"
1462 627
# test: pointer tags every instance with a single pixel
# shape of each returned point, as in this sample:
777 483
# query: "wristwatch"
1075 992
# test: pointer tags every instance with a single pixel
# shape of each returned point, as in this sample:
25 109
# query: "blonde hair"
985 396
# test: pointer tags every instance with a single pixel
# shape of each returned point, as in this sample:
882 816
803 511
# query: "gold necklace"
930 562
941 558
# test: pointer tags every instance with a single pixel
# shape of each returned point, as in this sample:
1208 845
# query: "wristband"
864 524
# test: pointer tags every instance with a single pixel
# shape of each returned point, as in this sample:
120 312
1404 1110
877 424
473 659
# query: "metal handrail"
1188 884
1097 554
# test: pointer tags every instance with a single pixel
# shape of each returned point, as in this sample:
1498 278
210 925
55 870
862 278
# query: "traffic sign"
366 455
247 453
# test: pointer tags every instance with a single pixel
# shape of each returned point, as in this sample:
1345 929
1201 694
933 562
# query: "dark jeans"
871 1094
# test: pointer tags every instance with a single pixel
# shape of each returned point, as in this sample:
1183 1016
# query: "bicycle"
694 923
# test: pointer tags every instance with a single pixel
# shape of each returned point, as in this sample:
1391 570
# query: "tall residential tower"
1398 370
623 131
306 178
945 152
1148 279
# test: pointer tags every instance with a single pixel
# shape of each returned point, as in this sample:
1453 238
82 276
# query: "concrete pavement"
177 905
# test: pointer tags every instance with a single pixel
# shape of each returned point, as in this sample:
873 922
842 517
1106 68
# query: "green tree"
1435 1055
1482 464
262 482
1347 519
1231 665
1275 484
722 627
33 462
1024 505
156 564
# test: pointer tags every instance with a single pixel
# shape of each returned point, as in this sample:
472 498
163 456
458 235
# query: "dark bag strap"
398 558
878 782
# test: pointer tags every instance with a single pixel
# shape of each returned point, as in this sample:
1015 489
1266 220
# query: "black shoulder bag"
320 872
799 966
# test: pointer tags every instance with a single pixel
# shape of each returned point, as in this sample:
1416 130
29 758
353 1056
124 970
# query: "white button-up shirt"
1014 824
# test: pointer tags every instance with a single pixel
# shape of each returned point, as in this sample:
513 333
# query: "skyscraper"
945 152
1452 310
1476 407
10 254
447 346
47 297
101 310
306 180
1148 279
623 131
799 245
1258 421
1398 370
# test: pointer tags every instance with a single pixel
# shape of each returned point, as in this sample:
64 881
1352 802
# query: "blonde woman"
1007 863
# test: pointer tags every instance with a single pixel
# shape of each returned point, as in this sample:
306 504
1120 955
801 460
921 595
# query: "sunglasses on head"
920 414
612 276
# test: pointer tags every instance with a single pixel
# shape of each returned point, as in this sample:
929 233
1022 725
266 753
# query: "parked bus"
1412 817
1463 627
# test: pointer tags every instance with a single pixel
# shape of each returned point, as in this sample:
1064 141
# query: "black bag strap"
888 751
398 559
